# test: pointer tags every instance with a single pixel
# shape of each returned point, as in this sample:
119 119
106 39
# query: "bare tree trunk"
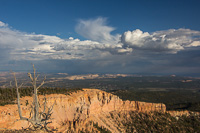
18 96
38 119
18 99
35 102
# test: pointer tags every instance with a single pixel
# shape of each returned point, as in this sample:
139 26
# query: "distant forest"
9 95
178 93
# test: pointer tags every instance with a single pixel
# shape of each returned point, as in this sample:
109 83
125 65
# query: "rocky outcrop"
181 113
77 110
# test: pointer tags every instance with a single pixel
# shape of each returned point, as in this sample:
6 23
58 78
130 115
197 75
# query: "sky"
150 37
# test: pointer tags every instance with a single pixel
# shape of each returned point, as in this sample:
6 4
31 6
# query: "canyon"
86 109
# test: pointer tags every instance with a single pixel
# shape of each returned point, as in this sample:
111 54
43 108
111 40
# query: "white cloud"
16 45
96 30
194 44
24 46
102 52
169 41
135 38
2 24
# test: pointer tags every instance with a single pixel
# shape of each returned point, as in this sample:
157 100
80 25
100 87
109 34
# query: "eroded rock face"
77 109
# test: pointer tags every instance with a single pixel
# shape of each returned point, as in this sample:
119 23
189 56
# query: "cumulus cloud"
129 52
24 46
169 41
194 44
16 45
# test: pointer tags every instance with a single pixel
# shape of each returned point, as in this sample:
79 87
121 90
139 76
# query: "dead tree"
38 119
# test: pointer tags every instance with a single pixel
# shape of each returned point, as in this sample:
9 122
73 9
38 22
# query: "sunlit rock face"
77 110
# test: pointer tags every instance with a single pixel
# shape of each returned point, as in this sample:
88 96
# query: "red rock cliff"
86 105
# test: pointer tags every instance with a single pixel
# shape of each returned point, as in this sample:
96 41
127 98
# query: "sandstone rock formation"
78 110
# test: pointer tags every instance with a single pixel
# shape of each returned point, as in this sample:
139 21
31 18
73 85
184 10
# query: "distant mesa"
173 75
92 76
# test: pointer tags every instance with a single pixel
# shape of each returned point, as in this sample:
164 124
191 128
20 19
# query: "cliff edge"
78 110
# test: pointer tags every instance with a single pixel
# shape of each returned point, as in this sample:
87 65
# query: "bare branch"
30 76
20 85
31 112
10 83
37 77
34 72
15 80
42 83
45 101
